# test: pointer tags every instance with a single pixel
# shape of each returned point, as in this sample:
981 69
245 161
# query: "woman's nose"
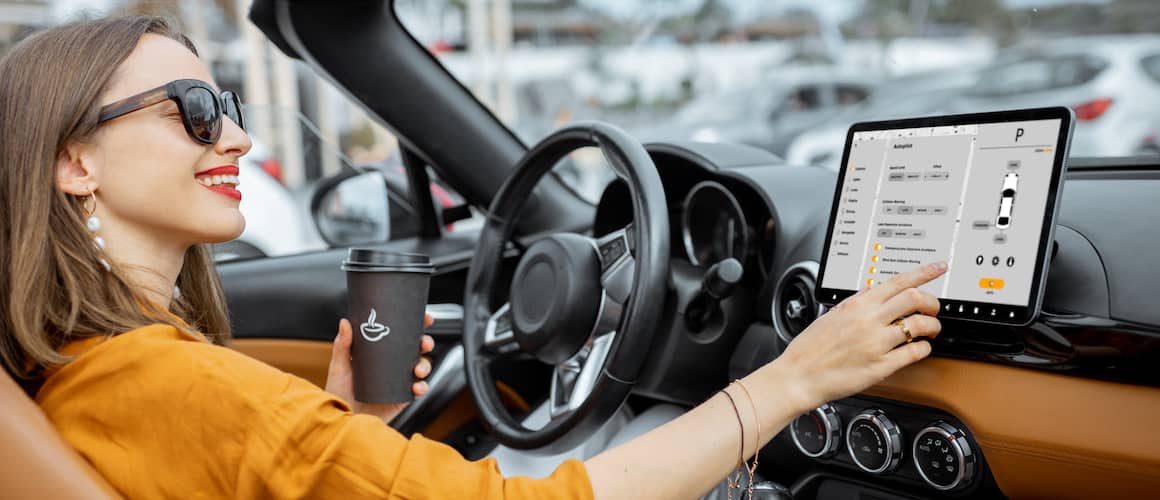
234 141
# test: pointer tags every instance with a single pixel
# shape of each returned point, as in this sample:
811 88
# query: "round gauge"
874 442
943 456
817 433
713 226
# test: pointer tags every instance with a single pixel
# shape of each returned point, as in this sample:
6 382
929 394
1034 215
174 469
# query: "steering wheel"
587 306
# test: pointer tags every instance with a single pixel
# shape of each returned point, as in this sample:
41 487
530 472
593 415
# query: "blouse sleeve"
257 432
306 443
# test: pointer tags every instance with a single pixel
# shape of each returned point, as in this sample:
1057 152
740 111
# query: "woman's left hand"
340 377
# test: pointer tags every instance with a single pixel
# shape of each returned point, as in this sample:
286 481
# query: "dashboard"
1007 408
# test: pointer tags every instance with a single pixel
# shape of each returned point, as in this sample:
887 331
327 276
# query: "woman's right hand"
855 345
845 351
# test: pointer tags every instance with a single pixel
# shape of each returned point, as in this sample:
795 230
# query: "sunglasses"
201 107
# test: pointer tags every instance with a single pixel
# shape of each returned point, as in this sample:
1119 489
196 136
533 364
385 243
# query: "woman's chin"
223 231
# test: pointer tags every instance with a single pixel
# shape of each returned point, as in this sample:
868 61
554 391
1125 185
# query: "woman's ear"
75 170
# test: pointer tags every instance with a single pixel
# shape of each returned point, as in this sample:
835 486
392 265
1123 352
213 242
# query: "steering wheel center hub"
555 297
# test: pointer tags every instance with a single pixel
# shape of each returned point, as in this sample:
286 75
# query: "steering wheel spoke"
574 379
498 337
617 266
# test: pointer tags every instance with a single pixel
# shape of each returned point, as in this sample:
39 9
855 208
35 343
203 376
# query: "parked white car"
277 223
1112 83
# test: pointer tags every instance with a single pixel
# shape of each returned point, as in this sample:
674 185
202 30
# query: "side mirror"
352 208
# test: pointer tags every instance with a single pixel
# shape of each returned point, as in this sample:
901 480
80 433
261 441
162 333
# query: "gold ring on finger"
905 331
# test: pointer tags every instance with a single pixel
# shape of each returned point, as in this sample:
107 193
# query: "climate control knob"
944 457
874 442
817 433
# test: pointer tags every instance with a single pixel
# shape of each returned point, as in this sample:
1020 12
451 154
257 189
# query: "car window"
848 95
1151 65
293 157
807 98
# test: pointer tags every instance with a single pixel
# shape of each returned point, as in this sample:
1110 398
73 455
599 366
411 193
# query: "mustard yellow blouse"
162 415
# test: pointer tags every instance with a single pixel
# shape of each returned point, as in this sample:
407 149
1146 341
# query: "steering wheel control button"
1010 261
612 250
979 260
818 433
874 442
943 456
497 335
995 260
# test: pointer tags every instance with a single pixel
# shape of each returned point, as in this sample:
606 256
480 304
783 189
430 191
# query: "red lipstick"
222 170
228 189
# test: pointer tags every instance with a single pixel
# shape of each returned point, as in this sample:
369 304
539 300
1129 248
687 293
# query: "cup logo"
372 330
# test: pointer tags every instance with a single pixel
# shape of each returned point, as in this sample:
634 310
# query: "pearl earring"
93 223
176 292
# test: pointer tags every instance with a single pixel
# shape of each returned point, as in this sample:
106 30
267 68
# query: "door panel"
308 359
303 296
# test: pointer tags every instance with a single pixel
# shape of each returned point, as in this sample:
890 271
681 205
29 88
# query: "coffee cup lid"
371 259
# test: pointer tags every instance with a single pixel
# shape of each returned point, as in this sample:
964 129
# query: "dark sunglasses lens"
233 106
201 109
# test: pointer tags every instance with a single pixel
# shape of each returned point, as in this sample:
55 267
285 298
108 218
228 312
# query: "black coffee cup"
387 298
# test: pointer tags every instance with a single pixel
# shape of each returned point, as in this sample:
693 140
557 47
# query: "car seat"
36 462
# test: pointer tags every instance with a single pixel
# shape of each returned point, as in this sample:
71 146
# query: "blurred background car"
909 96
769 113
1111 82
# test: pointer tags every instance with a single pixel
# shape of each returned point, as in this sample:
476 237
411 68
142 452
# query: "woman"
115 172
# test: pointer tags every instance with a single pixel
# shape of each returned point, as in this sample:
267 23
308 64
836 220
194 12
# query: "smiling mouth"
221 180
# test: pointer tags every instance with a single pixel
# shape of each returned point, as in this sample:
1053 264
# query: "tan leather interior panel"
308 359
1045 435
35 462
462 410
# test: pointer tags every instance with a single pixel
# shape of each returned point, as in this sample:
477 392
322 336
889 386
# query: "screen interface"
973 195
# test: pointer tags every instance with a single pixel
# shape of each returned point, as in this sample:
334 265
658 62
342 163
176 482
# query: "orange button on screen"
992 283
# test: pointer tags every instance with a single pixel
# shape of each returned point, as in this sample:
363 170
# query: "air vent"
794 307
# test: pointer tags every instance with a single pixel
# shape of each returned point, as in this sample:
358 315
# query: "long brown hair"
53 287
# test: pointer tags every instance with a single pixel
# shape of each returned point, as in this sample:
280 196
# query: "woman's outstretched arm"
845 351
